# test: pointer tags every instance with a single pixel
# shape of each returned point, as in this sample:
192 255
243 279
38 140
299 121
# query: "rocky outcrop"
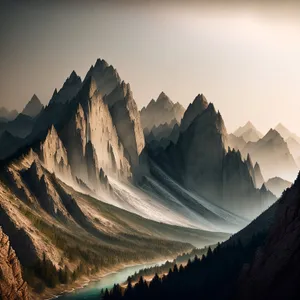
33 107
12 285
161 111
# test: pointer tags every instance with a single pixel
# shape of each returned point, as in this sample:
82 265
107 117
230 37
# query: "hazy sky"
244 56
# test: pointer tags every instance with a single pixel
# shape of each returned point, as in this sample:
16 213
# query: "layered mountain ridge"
7 115
161 111
201 161
86 179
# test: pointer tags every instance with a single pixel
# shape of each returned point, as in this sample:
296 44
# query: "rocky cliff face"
259 180
87 141
8 144
127 120
12 285
161 111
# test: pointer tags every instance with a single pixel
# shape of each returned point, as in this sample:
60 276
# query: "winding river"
93 289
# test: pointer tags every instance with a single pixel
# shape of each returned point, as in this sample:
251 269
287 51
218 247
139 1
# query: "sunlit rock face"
88 141
100 128
161 111
12 285
54 154
126 118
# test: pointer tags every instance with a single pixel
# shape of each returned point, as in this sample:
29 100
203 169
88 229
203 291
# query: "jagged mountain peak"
200 100
163 99
35 169
33 107
211 108
101 64
272 134
105 75
248 132
73 79
54 93
161 111
197 107
69 89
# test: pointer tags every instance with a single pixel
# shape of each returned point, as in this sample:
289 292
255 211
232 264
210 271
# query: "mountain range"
86 186
248 132
277 144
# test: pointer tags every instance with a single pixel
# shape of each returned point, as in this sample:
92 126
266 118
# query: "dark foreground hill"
265 266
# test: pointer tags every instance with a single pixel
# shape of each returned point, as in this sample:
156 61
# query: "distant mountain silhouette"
33 107
7 115
248 132
161 111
